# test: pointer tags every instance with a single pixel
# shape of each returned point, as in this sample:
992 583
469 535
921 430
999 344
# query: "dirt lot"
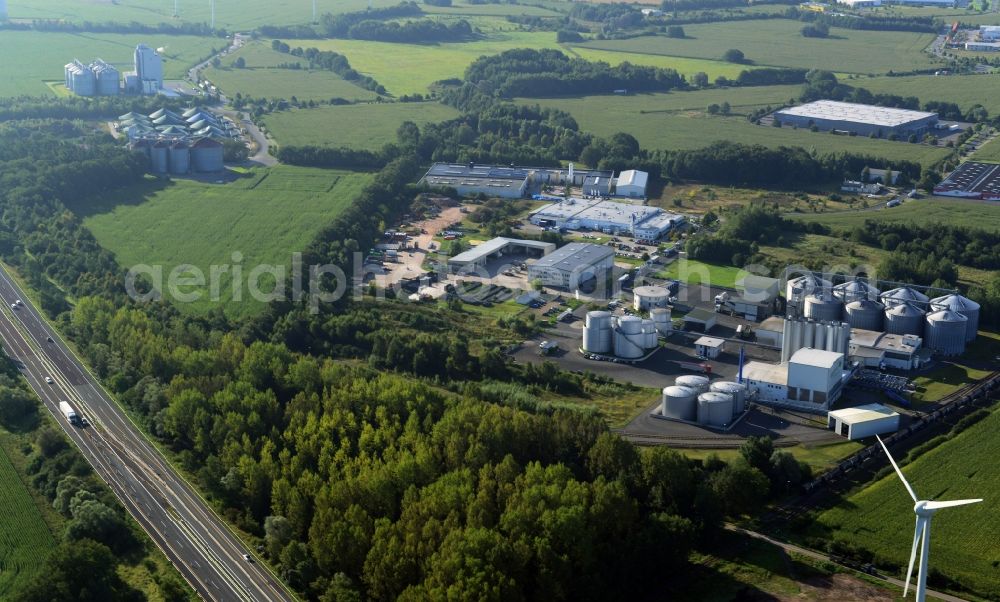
410 264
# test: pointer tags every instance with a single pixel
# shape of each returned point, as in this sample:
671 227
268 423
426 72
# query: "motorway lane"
208 555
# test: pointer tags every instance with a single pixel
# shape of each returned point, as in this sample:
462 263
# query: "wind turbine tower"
213 13
924 509
314 11
177 12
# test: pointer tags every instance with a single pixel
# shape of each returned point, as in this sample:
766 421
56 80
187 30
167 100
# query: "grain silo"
855 290
797 289
865 314
158 155
597 332
693 381
661 319
180 158
904 294
206 155
715 409
962 305
737 391
108 80
680 403
904 318
945 332
193 111
823 307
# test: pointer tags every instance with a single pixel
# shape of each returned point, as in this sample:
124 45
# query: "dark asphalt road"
192 536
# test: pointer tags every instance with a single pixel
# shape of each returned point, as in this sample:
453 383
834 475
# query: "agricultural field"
779 43
963 90
880 517
304 84
49 52
25 538
266 216
685 66
989 152
367 126
259 55
679 120
922 212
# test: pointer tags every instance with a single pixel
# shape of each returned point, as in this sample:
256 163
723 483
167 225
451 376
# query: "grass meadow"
304 84
25 537
32 57
963 90
679 120
265 216
778 42
685 66
367 126
922 212
964 540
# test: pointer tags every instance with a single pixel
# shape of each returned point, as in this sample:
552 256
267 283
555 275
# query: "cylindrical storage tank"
598 319
904 318
819 336
630 325
865 314
715 409
797 289
855 290
946 332
680 403
962 305
628 346
661 319
158 157
844 345
206 156
904 294
649 334
808 334
692 381
737 391
823 308
832 336
646 297
180 158
594 340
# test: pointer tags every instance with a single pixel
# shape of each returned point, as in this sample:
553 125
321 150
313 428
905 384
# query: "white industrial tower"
3 10
177 12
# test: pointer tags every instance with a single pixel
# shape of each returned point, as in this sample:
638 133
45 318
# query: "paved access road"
192 536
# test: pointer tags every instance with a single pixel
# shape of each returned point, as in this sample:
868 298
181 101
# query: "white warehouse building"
632 183
572 265
610 217
477 257
812 380
863 421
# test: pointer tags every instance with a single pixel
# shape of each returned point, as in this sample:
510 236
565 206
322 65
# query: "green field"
49 52
284 83
366 126
25 538
694 272
684 66
265 216
989 152
922 212
679 121
259 55
964 540
778 42
963 90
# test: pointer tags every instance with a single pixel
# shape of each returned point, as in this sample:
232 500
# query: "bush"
734 56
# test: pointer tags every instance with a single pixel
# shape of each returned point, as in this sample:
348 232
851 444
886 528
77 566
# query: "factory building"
645 298
758 288
632 183
610 217
811 380
989 33
709 347
148 69
573 265
476 258
972 180
599 186
882 350
863 120
510 182
863 421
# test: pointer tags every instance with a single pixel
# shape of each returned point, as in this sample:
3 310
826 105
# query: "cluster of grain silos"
179 144
799 333
823 307
693 399
627 337
963 306
854 290
797 289
108 79
79 79
175 155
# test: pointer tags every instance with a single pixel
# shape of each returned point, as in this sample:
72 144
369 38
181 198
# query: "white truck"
70 414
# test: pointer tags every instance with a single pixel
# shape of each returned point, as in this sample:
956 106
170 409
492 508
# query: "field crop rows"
25 539
964 540
266 217
367 126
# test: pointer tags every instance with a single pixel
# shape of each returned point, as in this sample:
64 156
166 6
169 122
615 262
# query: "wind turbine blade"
939 505
918 531
898 471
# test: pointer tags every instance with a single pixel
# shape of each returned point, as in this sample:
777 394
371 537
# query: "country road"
177 519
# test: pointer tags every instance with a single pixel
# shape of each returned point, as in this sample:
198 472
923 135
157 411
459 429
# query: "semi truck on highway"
70 414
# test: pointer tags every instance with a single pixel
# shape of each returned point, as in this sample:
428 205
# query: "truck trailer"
69 413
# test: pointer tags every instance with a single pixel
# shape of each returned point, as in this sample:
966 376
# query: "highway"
193 537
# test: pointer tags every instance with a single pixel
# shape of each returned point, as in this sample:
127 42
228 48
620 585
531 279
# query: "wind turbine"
314 12
213 13
924 510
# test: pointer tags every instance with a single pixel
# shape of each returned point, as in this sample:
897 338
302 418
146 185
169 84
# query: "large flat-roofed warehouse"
972 180
572 265
861 119
645 223
511 182
477 257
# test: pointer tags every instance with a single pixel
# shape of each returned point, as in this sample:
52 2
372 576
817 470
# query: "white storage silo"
158 155
823 307
597 333
661 319
819 336
865 314
904 318
180 158
737 391
962 305
855 290
904 294
680 403
715 409
693 381
797 289
649 334
945 332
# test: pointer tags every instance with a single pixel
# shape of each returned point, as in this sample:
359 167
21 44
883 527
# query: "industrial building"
175 146
645 298
860 119
873 349
632 183
102 79
811 380
477 257
863 421
709 347
610 217
972 180
515 182
148 70
573 265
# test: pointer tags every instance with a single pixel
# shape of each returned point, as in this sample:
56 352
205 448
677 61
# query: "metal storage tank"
630 325
597 332
629 346
158 156
680 403
904 294
797 289
645 297
855 290
823 307
865 314
180 158
904 318
649 336
715 409
692 381
661 319
946 332
206 155
738 391
819 336
962 305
